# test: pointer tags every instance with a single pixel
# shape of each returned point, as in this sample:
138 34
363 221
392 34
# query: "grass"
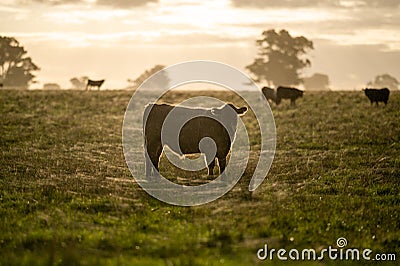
67 196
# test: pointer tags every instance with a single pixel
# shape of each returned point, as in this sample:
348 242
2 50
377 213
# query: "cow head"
240 111
228 113
218 111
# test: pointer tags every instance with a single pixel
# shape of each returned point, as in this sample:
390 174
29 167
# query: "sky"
354 40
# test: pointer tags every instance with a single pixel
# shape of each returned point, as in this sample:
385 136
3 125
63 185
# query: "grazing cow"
94 83
288 93
269 93
377 95
201 125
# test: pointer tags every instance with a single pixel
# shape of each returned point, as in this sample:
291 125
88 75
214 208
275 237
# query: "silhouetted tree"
280 58
385 81
51 86
15 67
79 83
162 80
317 82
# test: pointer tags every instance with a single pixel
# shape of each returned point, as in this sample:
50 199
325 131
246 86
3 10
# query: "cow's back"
377 95
287 93
195 129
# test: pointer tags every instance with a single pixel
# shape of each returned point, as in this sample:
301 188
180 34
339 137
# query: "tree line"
16 68
280 61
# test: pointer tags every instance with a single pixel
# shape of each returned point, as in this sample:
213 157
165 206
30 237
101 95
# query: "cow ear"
241 111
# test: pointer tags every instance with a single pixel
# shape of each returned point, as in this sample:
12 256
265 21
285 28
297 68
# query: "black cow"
269 93
202 125
377 95
288 93
94 83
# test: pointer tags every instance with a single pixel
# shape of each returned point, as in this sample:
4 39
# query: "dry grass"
68 197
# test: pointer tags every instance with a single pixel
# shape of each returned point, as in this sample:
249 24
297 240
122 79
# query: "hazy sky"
354 40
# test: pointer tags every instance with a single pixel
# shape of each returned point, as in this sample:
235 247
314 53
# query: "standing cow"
202 125
377 95
269 93
94 83
288 93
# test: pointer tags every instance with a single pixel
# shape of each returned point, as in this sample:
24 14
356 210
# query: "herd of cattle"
374 95
282 93
205 123
276 96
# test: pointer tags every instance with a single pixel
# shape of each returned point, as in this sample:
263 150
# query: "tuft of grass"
67 196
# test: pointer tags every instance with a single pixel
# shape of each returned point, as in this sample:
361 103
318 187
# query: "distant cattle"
201 125
377 95
269 93
94 83
288 93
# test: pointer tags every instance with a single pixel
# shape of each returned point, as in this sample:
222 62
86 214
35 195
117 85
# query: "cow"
202 125
377 95
269 93
288 93
94 83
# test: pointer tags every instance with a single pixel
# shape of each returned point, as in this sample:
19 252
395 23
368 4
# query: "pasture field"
68 198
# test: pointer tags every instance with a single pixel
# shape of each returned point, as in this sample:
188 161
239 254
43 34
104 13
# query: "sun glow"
169 31
85 16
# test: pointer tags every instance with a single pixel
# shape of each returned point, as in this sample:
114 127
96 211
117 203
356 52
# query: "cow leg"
211 167
292 102
222 164
152 160
149 165
155 159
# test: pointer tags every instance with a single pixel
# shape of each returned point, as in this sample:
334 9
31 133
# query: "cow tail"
145 117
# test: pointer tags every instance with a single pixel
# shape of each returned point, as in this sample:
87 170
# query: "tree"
280 58
317 82
51 86
161 81
16 69
79 83
385 81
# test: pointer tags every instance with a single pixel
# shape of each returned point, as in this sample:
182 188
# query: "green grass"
67 196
